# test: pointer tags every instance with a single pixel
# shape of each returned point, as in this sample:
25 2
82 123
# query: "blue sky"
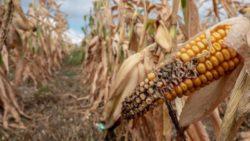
74 9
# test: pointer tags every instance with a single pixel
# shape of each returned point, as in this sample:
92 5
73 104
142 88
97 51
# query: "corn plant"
142 54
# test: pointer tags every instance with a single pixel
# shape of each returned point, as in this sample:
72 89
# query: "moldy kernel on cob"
196 65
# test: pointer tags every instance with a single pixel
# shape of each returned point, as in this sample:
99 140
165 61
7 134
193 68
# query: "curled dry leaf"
204 101
163 38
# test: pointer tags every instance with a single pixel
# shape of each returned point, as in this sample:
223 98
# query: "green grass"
76 57
69 73
43 91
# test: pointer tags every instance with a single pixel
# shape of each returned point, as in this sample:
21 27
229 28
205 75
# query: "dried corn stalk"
25 43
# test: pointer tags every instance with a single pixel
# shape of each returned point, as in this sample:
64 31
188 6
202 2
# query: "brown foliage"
31 47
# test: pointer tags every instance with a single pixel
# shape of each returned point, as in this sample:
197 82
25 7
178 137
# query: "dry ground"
56 113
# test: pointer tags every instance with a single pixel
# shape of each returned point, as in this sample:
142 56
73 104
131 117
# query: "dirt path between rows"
56 113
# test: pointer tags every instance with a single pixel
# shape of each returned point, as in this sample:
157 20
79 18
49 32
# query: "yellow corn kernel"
221 41
220 70
185 57
204 42
231 64
201 45
202 36
197 82
203 79
151 76
178 54
197 39
226 54
192 42
217 36
214 61
201 58
209 65
178 91
227 26
236 60
219 56
183 86
168 96
212 39
189 83
173 93
190 53
183 50
188 46
217 46
212 50
221 32
225 66
232 52
215 74
201 68
195 49
209 75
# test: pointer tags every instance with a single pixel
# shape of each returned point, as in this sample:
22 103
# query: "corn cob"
197 64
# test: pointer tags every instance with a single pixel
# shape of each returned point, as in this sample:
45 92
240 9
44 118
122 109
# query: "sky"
75 10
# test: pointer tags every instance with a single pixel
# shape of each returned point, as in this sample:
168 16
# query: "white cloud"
75 36
75 7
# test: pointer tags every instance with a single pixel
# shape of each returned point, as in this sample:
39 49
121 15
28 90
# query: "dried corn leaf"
192 20
231 12
158 129
163 38
244 105
215 8
5 58
233 117
216 121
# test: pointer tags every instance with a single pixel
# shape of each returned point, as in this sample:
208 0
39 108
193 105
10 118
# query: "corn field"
145 70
